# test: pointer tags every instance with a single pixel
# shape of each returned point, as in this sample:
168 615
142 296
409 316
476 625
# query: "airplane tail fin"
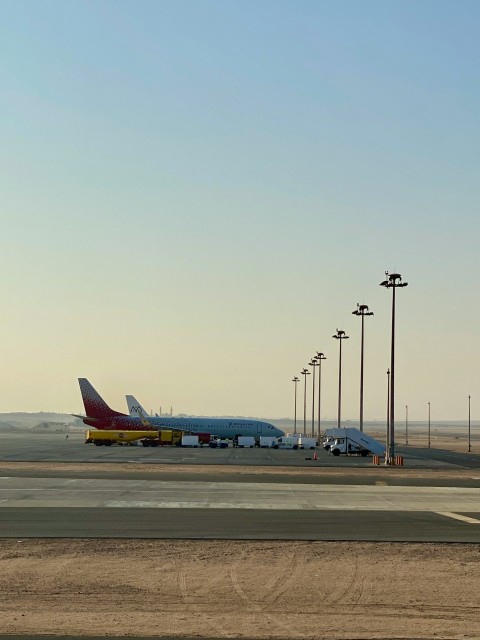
135 408
95 405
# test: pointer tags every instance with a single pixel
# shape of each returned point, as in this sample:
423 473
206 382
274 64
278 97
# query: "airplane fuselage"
219 427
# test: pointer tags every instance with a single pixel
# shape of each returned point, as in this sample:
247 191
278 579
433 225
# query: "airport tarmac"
137 492
30 447
98 507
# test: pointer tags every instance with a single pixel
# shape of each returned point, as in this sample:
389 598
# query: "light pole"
394 281
406 424
469 441
296 381
305 373
362 311
340 336
429 425
387 458
313 363
320 356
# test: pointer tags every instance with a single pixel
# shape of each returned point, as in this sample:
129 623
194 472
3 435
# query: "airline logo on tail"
135 409
96 409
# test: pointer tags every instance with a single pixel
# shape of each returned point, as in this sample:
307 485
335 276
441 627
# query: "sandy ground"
240 589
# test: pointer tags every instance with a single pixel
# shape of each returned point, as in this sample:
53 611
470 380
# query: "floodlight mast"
313 363
340 336
319 357
296 381
362 311
305 373
393 282
469 430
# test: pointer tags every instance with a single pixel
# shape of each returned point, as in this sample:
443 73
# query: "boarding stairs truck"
349 441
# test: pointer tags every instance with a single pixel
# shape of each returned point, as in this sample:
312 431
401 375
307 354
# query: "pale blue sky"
196 194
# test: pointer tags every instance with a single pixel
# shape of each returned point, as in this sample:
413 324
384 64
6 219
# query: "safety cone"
315 457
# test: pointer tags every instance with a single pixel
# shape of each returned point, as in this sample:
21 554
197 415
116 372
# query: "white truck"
266 441
307 443
286 442
349 440
246 441
190 441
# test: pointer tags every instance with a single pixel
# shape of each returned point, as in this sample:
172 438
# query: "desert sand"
240 589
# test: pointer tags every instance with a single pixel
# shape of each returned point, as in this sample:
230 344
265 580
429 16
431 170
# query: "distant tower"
160 411
171 411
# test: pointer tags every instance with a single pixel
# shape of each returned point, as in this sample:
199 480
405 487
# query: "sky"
197 194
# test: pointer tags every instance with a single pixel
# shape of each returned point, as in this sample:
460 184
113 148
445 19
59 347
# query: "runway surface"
55 507
434 498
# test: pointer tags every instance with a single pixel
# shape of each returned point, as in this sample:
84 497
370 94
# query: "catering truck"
350 441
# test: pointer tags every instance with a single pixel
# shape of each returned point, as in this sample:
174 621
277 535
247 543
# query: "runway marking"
457 516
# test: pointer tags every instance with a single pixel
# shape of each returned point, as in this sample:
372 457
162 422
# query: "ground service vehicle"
286 442
164 438
246 441
353 441
190 441
204 438
307 443
266 441
328 442
107 438
218 442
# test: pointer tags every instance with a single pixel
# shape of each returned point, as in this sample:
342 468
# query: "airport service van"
246 441
307 443
353 441
286 442
266 441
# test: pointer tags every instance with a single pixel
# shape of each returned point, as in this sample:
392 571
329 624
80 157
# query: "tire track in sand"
274 589
182 577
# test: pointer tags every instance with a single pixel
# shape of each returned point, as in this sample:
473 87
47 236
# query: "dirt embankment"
240 589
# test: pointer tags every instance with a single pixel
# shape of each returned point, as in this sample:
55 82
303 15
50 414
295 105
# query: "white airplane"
101 416
220 427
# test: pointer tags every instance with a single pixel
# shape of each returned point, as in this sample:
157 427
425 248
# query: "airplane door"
259 428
